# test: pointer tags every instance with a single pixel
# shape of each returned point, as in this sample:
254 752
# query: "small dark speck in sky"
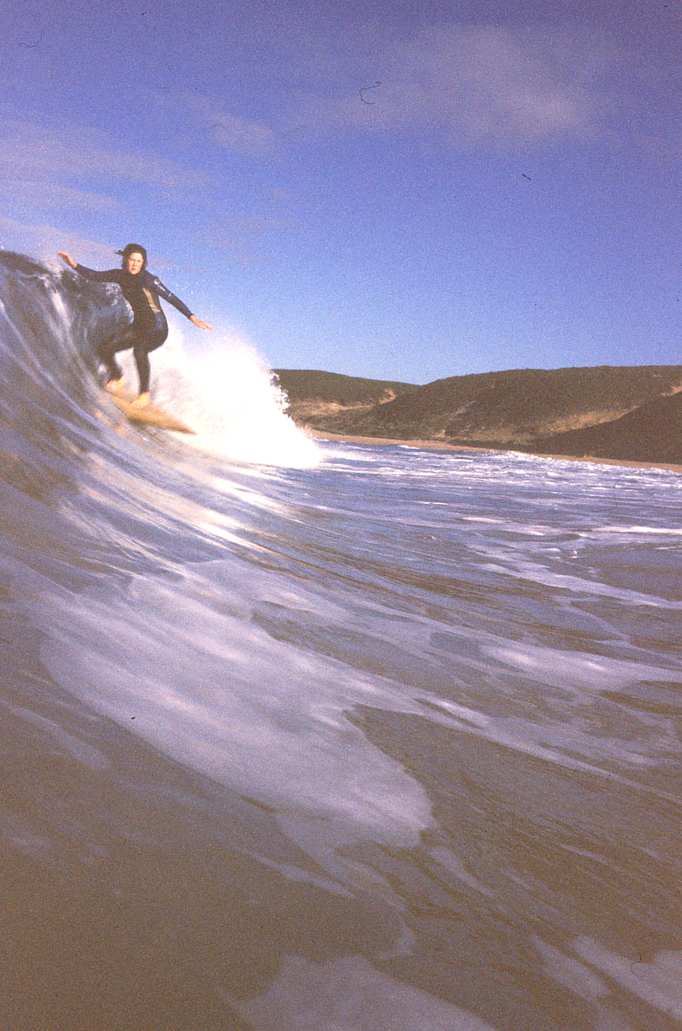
527 177
364 90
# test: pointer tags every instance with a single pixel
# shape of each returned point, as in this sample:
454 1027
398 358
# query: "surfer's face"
134 262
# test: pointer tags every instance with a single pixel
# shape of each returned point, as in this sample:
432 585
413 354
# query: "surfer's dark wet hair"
133 248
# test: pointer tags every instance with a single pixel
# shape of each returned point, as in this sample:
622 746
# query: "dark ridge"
652 433
520 406
315 385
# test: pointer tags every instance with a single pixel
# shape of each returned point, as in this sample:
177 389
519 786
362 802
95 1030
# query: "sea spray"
222 387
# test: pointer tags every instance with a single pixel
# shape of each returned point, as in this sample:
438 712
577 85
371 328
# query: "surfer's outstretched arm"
169 296
149 284
199 323
111 275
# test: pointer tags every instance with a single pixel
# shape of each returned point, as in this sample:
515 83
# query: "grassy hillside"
515 407
314 395
652 432
312 384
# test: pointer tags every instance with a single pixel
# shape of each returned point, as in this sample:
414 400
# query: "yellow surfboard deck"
150 415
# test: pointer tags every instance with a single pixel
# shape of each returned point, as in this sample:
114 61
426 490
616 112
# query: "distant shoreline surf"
441 445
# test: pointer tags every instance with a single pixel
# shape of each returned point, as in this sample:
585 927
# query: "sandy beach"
440 445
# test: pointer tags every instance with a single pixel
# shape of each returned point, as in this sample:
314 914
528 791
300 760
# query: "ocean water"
319 736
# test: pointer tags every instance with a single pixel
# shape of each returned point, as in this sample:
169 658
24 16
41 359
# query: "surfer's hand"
199 323
66 257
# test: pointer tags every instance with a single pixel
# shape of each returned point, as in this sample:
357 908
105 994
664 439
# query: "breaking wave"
314 737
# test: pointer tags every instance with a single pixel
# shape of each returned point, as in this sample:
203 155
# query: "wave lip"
227 394
50 324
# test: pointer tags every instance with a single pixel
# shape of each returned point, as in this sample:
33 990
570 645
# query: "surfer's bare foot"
141 401
114 386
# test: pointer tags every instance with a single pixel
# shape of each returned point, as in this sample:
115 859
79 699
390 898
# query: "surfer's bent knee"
150 341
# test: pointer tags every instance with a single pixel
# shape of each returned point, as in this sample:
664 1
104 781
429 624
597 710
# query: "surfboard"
151 415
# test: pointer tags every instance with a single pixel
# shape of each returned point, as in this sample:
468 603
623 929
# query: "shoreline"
441 445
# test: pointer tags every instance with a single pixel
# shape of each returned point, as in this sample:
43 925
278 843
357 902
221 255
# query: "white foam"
239 705
349 994
222 387
658 982
525 569
664 530
570 973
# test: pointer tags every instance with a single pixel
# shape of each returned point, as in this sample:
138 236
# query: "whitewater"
319 736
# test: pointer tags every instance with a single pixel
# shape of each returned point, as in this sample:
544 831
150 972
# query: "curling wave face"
388 740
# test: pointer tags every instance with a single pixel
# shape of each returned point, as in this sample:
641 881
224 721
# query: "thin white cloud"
248 138
43 240
37 194
255 225
477 84
474 84
233 132
70 152
247 237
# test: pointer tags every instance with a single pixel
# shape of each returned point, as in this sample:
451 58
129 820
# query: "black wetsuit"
149 328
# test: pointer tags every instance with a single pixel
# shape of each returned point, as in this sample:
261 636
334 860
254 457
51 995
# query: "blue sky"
382 189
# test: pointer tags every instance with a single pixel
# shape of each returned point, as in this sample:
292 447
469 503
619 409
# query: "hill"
315 395
512 407
628 412
652 432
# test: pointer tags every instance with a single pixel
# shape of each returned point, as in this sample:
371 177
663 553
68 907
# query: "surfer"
149 328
